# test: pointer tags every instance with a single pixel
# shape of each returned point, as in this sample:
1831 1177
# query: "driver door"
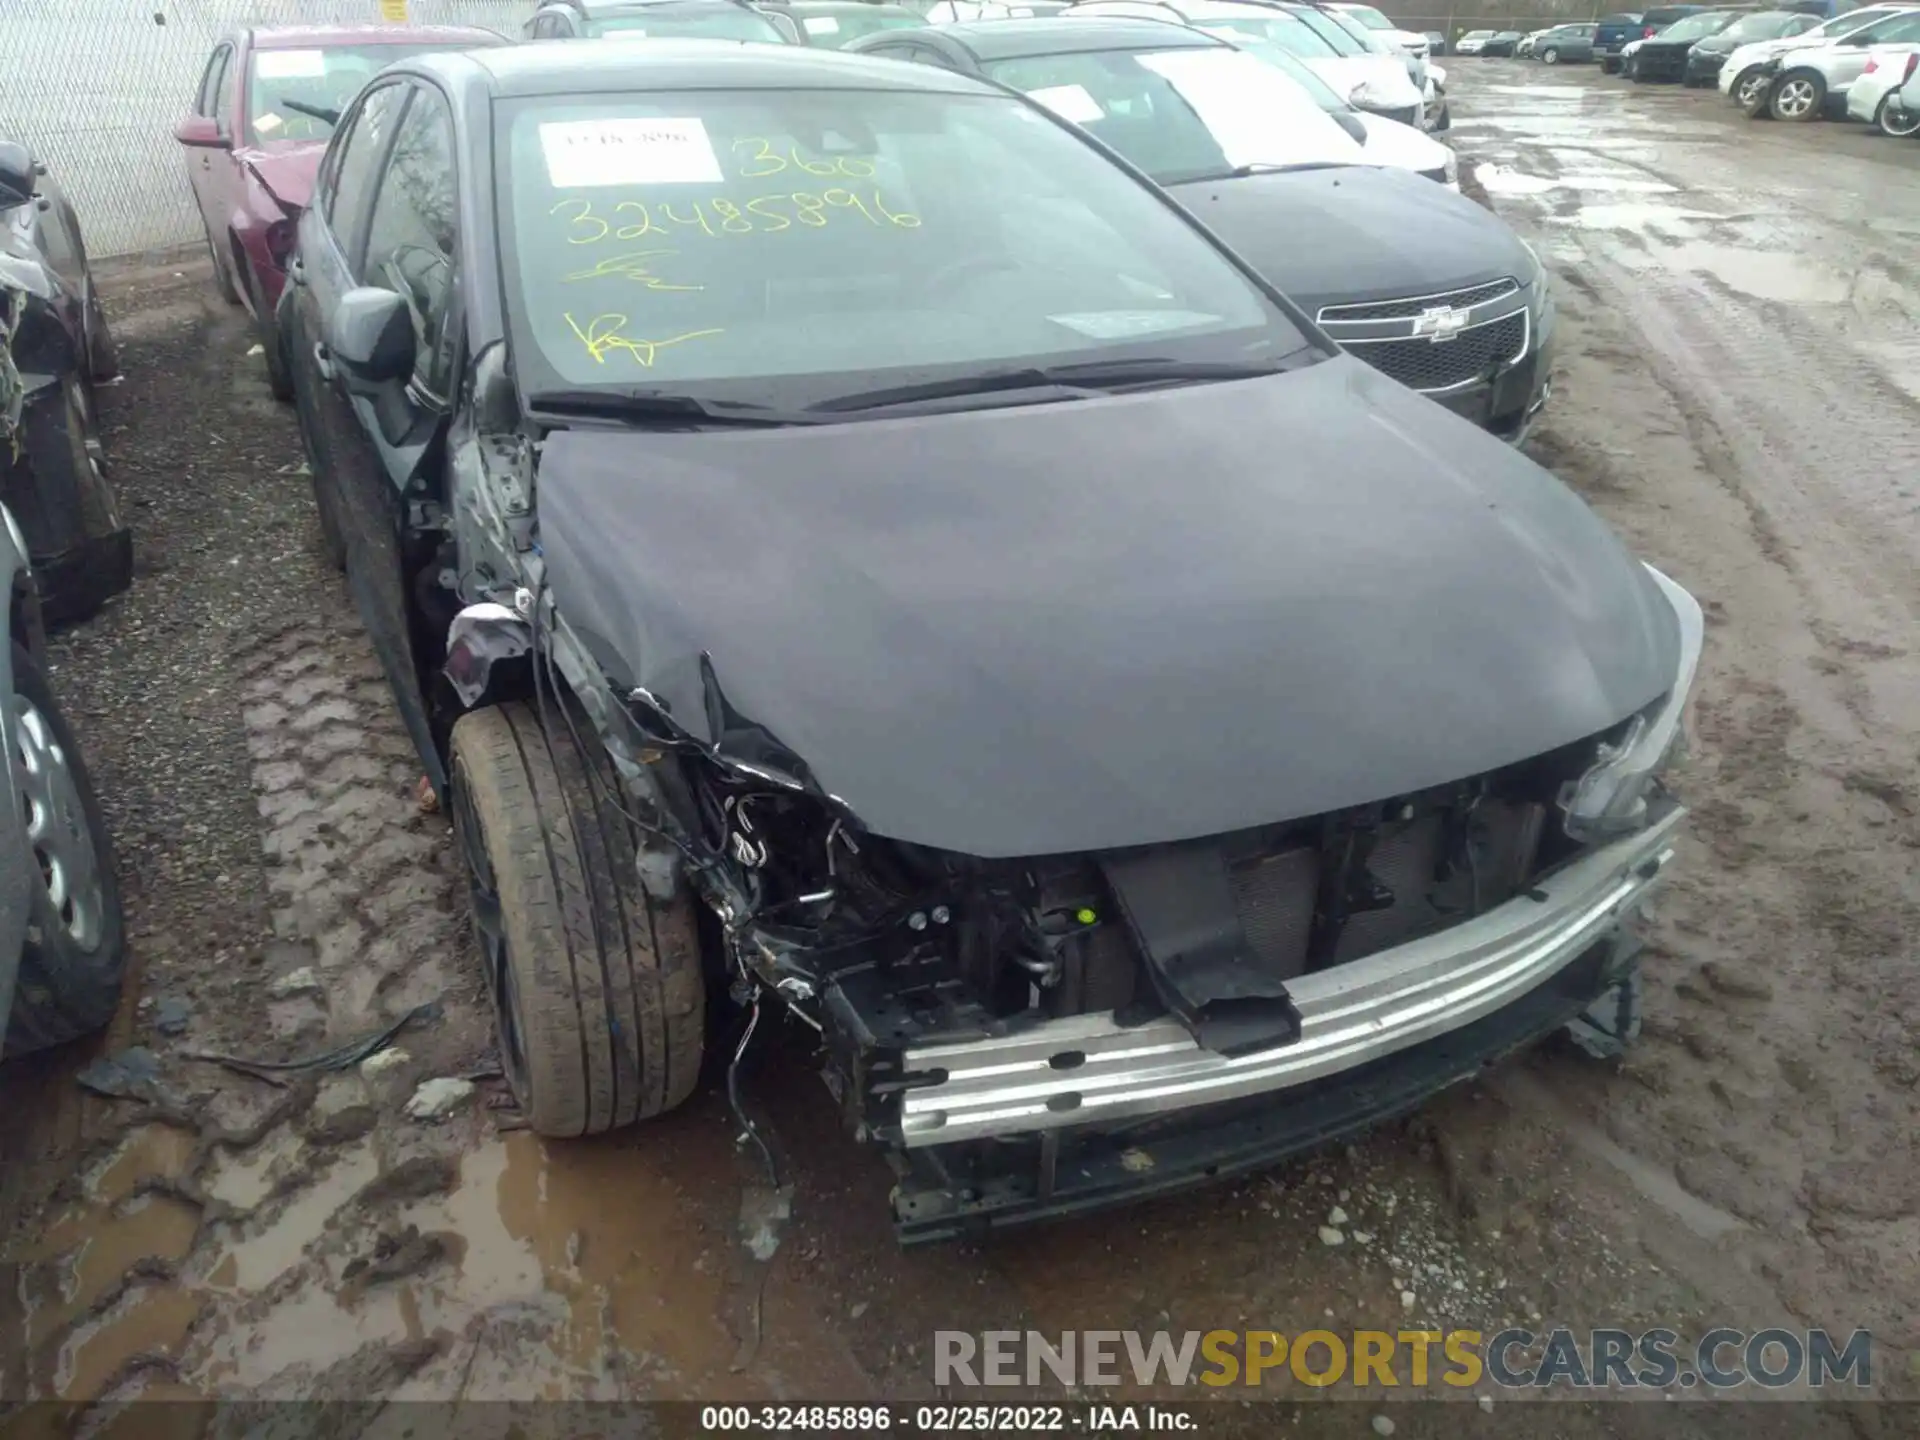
388 221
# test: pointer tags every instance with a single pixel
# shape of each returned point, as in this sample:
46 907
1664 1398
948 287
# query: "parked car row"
63 553
1788 61
999 537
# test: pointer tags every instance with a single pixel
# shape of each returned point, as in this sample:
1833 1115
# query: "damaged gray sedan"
842 542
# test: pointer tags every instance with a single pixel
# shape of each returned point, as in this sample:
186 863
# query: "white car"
1378 84
1743 74
1875 98
1414 42
1811 84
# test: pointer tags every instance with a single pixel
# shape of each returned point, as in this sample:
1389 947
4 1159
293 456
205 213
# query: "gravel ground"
1735 390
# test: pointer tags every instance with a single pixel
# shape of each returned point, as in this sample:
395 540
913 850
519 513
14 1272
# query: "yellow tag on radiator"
394 10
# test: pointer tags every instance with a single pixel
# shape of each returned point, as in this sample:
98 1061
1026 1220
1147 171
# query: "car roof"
1061 35
511 71
313 37
842 7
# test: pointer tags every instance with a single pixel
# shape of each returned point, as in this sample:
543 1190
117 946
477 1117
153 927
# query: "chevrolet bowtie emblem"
1442 322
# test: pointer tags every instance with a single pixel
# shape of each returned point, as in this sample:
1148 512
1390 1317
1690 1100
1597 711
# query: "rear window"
691 22
319 79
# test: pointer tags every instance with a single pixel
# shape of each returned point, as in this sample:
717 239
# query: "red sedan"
265 109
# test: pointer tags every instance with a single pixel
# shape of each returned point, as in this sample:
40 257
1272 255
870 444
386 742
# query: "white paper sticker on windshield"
584 153
1069 102
626 32
268 123
821 25
289 64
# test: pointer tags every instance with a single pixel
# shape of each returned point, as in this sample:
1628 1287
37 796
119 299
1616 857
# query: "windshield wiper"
661 405
1242 172
988 382
318 112
1073 381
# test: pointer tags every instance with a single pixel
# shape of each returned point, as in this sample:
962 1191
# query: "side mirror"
372 338
1363 96
202 131
1352 124
784 24
17 175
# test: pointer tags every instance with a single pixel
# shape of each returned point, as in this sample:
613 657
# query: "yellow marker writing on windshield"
636 266
603 334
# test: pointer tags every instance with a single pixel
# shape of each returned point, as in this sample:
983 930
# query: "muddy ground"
1737 388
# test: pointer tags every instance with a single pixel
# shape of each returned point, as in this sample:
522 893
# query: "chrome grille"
1408 308
1423 364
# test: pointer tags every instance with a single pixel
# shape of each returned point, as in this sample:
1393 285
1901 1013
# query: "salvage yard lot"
1737 390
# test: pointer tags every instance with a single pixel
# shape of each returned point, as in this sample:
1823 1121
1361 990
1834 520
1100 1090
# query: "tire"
65 506
76 952
597 987
1743 90
1609 66
1797 96
222 275
1550 56
1898 123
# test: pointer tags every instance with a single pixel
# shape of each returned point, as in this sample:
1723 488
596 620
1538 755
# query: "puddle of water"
258 1258
154 1225
1765 275
153 1321
151 1152
1640 219
299 1337
245 1178
1500 180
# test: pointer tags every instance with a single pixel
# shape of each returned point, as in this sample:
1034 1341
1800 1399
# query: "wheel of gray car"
75 952
279 381
1895 121
1550 56
1798 95
1748 88
597 987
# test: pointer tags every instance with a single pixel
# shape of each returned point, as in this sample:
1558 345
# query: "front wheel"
1550 56
597 987
1748 88
1797 97
1896 121
75 951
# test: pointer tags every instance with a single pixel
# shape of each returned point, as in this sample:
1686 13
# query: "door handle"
322 361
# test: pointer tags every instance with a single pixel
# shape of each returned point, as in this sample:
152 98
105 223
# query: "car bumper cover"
1088 1070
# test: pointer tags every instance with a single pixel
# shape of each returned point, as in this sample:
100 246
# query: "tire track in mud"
360 879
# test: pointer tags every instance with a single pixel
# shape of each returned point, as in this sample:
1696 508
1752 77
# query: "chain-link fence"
95 87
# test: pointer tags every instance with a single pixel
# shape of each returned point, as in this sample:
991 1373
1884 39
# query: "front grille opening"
1424 364
1412 306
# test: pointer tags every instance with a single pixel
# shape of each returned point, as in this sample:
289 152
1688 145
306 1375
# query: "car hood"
286 171
1113 621
1386 73
1401 146
1337 237
1757 51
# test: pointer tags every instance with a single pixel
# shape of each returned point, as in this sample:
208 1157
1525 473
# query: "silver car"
1810 84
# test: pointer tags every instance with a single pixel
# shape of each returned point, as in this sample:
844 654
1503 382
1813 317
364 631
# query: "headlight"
1611 798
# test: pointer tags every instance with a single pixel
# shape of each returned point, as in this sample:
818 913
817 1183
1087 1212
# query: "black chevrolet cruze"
1412 277
845 544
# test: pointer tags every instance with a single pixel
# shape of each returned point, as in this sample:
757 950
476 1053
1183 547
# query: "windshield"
325 79
1757 27
697 22
1183 114
1363 37
1272 55
1368 16
787 247
1341 39
1282 28
1694 26
841 26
